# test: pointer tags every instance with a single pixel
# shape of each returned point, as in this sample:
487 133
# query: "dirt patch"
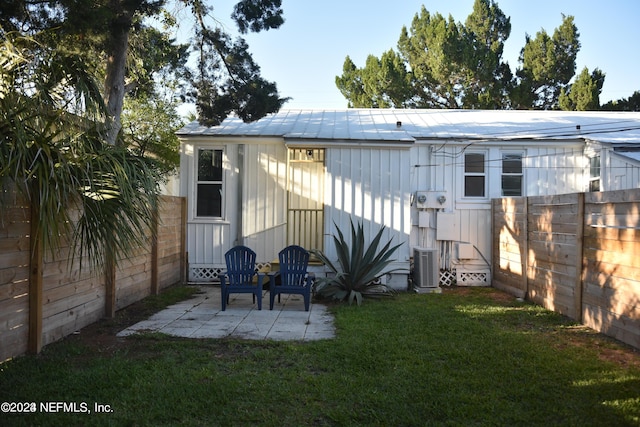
100 337
607 348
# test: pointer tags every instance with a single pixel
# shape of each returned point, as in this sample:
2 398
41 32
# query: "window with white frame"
594 173
209 188
475 175
512 176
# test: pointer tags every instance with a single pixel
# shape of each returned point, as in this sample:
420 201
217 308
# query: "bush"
359 267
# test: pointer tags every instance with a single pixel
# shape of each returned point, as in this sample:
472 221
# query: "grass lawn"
468 356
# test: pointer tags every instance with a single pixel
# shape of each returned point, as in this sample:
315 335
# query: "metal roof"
389 125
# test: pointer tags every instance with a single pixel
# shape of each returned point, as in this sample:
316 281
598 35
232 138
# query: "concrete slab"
202 317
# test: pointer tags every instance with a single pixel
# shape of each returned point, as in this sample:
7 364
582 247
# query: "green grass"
458 358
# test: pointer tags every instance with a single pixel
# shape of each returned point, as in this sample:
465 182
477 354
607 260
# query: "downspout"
239 197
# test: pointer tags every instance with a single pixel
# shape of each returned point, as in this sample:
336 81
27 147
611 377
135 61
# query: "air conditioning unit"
425 268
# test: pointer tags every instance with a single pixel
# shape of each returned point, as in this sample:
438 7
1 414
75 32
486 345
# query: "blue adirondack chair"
239 277
294 278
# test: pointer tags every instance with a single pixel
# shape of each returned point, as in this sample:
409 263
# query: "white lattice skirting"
209 273
204 274
447 278
465 277
473 278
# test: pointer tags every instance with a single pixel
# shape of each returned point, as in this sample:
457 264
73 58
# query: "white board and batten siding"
207 238
438 167
359 183
254 205
620 172
264 199
370 185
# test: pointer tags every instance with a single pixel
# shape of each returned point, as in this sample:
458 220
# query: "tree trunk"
114 81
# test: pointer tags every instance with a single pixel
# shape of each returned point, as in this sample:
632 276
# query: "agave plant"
359 267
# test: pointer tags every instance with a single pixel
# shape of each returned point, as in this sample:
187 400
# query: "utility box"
466 251
446 226
432 200
423 219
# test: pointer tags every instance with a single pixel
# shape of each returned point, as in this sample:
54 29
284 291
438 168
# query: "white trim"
462 173
193 208
228 139
523 175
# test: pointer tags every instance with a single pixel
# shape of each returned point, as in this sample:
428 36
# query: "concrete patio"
202 317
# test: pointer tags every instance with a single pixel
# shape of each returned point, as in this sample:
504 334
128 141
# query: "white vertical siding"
554 170
260 224
439 166
547 170
207 242
209 239
433 168
264 199
264 187
619 173
305 217
305 190
373 185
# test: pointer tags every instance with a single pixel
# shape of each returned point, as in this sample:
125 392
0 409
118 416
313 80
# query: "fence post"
580 268
110 286
154 250
35 278
525 247
184 256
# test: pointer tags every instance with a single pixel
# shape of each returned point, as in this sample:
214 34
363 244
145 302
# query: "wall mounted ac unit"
425 268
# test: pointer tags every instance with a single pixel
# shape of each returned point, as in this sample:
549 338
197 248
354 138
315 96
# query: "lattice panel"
212 274
447 277
204 274
475 278
263 266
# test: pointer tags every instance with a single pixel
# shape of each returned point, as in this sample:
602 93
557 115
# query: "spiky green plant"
359 267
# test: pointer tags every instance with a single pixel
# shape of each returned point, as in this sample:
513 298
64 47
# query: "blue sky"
306 54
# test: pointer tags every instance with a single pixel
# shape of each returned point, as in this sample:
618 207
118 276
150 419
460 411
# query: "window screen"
474 175
512 174
209 183
594 173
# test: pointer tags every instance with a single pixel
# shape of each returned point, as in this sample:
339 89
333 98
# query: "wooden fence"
45 298
577 254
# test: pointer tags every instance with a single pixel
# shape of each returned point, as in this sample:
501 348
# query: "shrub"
359 268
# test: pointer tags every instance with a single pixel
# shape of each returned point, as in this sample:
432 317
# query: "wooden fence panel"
611 300
72 294
133 276
14 277
554 225
73 298
583 257
171 243
509 245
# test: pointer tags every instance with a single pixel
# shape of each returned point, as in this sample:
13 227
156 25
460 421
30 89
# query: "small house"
427 176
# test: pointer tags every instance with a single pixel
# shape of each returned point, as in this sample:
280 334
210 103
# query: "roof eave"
330 142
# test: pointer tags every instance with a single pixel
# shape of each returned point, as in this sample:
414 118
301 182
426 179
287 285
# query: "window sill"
200 220
480 203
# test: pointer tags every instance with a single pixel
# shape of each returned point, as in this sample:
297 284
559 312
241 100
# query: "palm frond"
52 151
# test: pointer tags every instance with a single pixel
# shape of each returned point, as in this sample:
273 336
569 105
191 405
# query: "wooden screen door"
305 217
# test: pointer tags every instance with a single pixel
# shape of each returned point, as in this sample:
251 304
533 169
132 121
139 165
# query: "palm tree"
53 152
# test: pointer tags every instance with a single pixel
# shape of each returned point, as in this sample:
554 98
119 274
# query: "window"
209 183
512 174
594 173
474 175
